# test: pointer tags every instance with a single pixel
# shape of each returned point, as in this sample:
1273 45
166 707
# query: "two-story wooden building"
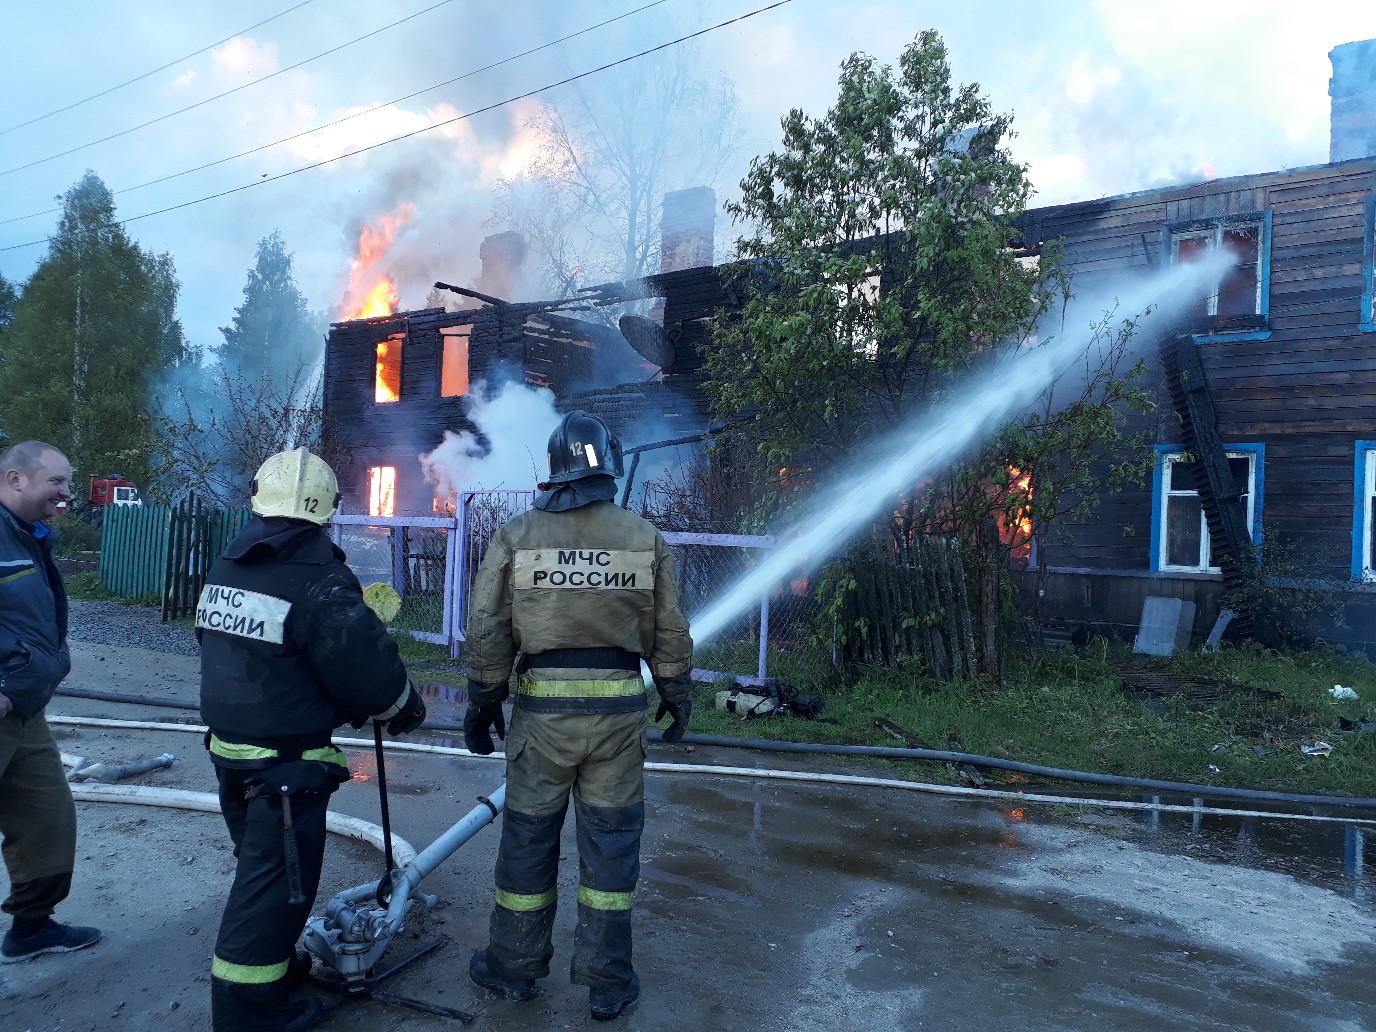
1283 357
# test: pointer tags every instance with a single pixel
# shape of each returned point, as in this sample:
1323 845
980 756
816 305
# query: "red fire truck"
112 489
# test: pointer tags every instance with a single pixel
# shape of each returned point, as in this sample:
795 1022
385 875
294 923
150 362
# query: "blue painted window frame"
1367 322
1158 500
1361 515
1168 233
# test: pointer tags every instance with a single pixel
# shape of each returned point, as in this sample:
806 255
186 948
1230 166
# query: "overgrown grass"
87 586
1068 710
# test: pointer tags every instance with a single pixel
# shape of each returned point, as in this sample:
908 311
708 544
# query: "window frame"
455 332
1167 453
1364 487
1366 321
1214 226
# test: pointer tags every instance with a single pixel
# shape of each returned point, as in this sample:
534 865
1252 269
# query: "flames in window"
1015 522
382 489
387 380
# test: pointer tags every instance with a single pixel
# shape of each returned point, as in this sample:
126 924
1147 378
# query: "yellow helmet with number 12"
298 484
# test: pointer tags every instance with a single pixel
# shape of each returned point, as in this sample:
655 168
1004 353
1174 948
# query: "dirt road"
762 906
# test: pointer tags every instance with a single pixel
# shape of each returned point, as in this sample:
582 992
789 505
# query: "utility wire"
155 71
226 93
438 125
357 114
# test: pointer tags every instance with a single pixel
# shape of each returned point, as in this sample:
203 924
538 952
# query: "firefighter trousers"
37 819
259 929
598 758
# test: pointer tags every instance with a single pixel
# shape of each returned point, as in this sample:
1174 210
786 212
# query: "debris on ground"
1339 692
912 741
109 773
1317 749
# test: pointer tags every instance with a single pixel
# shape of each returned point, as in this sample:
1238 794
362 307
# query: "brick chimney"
1352 128
502 255
686 233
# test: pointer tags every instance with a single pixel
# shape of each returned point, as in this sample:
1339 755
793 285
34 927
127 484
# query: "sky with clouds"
1107 97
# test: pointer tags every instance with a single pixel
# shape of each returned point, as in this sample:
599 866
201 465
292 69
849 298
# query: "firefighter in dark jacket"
583 590
289 652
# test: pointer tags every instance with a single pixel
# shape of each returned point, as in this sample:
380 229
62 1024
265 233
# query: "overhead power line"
358 114
226 93
155 71
440 125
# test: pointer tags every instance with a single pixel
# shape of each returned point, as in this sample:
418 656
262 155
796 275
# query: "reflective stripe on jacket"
583 578
289 649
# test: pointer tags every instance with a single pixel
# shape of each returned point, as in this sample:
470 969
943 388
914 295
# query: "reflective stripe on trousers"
597 758
259 929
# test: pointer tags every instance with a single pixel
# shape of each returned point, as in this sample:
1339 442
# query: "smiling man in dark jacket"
37 816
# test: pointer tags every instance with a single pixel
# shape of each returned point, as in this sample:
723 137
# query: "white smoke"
516 422
938 437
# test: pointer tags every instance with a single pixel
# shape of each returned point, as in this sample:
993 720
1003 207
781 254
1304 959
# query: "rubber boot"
607 1004
517 989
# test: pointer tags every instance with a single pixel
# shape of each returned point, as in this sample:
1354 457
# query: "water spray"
930 442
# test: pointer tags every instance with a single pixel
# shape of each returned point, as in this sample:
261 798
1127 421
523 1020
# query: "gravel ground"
138 627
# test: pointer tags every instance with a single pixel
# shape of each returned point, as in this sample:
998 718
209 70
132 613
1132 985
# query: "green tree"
273 333
8 296
261 396
883 268
92 330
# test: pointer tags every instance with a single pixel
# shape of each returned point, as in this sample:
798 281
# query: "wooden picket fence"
164 550
911 602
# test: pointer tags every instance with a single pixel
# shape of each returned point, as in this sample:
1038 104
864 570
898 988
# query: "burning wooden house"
1265 431
395 382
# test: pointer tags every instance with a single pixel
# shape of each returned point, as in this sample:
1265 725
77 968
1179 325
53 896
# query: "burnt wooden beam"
1219 494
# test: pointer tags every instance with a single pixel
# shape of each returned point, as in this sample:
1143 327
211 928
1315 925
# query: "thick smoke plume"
515 422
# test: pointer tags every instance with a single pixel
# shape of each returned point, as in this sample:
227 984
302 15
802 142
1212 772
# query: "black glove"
478 724
681 712
410 716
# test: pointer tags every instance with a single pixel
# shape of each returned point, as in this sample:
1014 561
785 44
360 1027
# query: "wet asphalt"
762 905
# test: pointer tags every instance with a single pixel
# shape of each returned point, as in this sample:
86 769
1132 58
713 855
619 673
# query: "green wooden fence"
164 551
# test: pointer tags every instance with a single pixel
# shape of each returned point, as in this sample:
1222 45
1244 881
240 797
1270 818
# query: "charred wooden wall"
1307 391
373 433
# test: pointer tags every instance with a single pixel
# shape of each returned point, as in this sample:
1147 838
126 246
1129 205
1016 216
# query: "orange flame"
371 293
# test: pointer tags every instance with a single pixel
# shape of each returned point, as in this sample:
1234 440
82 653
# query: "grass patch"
87 586
1068 710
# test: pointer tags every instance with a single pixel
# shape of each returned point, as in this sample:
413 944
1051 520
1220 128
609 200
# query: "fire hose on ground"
359 924
1193 791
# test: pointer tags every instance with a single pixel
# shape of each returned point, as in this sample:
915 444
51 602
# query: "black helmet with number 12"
582 446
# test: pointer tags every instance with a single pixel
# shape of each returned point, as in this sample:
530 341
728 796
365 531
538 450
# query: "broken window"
454 360
387 377
1180 532
382 489
1364 519
1241 293
855 303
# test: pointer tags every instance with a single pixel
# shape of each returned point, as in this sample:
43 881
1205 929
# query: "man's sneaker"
520 989
607 1004
51 938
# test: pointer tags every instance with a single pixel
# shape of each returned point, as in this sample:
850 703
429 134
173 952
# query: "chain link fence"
412 554
432 561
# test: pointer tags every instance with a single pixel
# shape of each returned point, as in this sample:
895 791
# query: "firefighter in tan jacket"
582 591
